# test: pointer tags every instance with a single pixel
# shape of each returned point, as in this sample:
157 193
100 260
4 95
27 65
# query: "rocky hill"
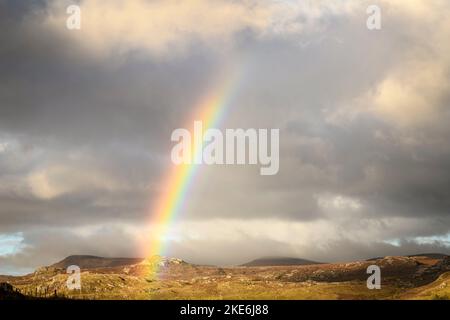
92 262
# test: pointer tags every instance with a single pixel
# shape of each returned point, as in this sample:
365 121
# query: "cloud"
56 180
415 91
44 246
10 244
159 27
168 27
86 118
232 241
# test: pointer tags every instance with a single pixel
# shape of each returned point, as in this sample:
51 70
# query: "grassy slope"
439 289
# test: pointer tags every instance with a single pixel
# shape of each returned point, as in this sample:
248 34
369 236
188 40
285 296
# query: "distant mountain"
375 258
278 261
427 255
92 262
430 255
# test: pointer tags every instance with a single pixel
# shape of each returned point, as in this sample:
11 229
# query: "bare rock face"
176 261
444 264
152 261
388 260
425 271
46 270
162 262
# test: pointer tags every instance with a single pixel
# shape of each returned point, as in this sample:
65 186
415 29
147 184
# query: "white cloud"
414 94
58 179
11 244
165 27
414 91
3 146
338 203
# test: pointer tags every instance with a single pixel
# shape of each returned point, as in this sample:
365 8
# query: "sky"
86 118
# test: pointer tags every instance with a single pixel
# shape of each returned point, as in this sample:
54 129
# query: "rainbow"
176 184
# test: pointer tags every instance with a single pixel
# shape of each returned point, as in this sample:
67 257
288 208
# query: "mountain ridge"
93 262
273 261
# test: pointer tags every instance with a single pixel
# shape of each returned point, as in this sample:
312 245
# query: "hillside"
418 277
8 292
278 261
92 262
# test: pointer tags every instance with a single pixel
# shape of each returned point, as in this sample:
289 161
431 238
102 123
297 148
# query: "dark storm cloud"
50 88
117 113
